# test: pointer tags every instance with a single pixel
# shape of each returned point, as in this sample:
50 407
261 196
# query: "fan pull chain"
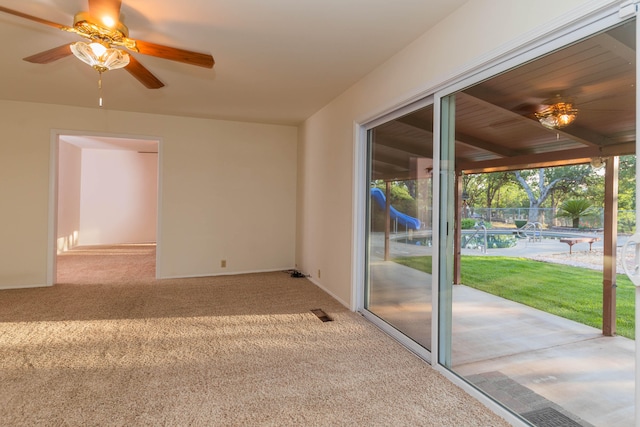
100 89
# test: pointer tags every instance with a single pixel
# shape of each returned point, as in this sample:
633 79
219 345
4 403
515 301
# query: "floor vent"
321 315
549 417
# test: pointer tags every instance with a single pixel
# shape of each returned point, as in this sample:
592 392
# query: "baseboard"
230 273
334 296
7 287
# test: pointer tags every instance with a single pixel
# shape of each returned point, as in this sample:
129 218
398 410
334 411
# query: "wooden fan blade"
49 55
99 9
33 18
144 76
175 54
526 109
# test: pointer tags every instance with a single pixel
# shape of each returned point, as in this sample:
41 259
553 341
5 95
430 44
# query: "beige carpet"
222 351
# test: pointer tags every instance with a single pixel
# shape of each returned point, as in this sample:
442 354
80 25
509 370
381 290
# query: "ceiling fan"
555 112
110 43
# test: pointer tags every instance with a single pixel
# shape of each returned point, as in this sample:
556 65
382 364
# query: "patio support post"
610 246
387 220
457 230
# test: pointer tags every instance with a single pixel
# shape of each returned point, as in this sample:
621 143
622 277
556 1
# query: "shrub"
626 222
576 209
467 223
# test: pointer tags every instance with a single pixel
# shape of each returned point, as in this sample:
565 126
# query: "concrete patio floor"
528 360
573 367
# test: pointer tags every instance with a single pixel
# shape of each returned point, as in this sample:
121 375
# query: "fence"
547 217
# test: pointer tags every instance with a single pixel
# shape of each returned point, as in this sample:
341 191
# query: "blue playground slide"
403 219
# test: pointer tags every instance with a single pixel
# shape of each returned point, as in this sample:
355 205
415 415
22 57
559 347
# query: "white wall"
327 139
118 202
69 176
227 189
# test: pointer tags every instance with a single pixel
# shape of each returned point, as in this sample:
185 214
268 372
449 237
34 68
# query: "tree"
627 194
484 188
627 183
493 183
576 209
544 190
539 186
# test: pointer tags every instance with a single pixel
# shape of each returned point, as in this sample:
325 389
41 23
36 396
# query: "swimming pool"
496 238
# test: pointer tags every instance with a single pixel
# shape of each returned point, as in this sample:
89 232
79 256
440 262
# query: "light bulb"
108 21
98 49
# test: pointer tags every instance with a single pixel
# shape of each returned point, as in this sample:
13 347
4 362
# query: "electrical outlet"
223 263
318 273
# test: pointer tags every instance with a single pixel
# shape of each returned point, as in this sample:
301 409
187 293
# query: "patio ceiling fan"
109 44
558 108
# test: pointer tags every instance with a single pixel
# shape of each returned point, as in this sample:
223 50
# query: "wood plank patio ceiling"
495 125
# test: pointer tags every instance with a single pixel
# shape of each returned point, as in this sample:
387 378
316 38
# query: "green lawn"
571 292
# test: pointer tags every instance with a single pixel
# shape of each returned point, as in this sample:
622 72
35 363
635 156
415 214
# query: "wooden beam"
387 172
417 122
550 159
616 47
472 141
417 147
469 140
398 155
504 114
577 133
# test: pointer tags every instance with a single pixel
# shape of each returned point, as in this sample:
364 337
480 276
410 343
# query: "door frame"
52 220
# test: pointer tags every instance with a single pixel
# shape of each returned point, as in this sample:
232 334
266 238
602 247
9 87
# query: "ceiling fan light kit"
597 162
99 56
108 38
557 115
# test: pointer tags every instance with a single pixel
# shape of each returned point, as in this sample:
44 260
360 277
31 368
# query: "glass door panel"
400 224
519 325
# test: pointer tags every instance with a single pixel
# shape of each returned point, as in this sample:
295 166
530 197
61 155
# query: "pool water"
494 241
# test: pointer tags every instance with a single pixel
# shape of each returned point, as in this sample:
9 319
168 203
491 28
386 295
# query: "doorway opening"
105 214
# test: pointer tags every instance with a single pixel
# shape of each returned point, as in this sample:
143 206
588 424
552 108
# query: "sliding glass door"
523 317
509 318
399 234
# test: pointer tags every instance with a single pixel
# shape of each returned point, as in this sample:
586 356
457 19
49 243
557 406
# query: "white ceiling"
277 61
